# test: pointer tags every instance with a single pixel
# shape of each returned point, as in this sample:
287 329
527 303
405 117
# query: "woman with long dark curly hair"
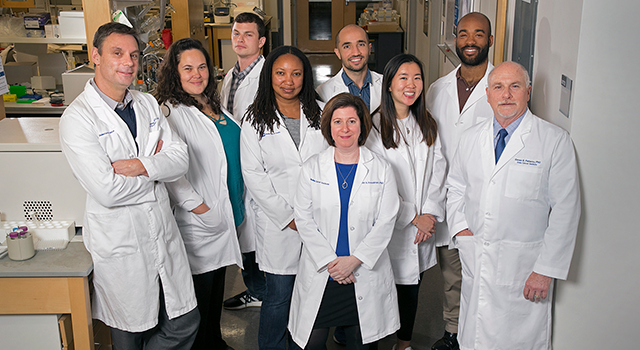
280 131
407 138
208 200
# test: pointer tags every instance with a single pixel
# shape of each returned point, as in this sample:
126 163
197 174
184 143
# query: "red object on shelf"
167 38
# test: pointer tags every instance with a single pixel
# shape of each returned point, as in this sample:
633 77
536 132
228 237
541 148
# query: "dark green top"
230 135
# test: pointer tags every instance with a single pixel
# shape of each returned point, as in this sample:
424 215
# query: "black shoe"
241 301
448 342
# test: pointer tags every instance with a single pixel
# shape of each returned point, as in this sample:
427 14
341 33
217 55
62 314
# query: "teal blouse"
230 135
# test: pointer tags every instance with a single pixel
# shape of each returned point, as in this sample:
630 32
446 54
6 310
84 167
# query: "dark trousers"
176 334
209 288
318 339
408 307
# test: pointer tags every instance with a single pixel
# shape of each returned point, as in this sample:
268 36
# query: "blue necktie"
502 134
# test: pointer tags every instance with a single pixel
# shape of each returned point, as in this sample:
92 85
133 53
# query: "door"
319 21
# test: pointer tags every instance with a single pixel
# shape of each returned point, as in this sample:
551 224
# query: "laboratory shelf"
25 40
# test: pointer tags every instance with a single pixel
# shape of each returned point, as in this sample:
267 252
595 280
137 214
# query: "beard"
483 53
347 65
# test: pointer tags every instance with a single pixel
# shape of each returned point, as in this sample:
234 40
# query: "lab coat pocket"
111 235
516 261
523 182
114 145
210 222
467 252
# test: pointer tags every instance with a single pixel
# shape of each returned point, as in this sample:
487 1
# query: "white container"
72 25
73 82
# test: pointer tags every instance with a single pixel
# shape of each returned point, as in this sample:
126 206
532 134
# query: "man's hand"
341 269
536 287
129 167
464 232
426 224
133 167
292 225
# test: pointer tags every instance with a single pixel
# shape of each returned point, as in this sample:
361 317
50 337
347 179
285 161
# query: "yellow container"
9 97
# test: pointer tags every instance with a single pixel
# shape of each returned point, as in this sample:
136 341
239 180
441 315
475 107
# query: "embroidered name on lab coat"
373 183
318 182
154 122
523 161
106 133
271 133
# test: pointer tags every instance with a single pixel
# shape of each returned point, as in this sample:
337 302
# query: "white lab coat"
129 229
524 214
246 92
210 238
420 172
270 166
243 98
442 102
373 206
335 85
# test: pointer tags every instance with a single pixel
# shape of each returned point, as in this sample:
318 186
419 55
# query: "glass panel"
320 20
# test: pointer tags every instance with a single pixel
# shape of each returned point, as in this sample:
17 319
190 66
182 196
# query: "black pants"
209 288
408 306
318 339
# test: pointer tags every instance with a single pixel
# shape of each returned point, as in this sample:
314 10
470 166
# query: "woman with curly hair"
280 131
406 137
208 200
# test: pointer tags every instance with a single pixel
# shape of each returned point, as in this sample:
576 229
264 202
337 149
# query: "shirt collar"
347 81
113 104
511 128
245 72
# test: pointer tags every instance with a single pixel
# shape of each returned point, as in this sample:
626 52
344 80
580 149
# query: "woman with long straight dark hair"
407 138
208 200
281 130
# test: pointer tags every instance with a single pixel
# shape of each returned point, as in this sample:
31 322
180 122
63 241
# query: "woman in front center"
345 209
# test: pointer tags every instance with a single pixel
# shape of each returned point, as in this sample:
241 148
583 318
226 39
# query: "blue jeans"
252 276
274 313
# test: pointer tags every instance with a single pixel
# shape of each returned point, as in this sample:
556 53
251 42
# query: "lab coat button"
356 274
360 298
486 244
414 251
352 228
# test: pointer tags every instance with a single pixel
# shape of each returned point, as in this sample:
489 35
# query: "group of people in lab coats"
344 208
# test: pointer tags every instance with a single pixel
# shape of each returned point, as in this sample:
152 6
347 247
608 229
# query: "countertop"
74 261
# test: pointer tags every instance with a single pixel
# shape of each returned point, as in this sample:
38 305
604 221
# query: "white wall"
598 306
555 53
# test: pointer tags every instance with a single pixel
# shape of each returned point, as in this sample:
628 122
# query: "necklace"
344 178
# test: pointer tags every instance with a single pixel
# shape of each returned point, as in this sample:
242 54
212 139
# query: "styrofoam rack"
44 230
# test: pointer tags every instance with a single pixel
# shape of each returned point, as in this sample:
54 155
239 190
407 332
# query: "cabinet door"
18 3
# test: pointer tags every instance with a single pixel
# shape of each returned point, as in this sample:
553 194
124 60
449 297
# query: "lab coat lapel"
361 171
488 151
516 142
110 117
376 85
